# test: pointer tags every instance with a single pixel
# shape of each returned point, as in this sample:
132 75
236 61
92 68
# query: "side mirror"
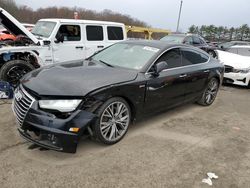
159 67
59 38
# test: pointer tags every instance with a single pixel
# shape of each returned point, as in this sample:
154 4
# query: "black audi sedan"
56 105
192 39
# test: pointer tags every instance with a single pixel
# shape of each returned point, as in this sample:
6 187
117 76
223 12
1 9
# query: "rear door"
72 47
194 63
168 88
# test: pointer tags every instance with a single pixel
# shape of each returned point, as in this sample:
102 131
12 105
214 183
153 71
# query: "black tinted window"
190 57
70 32
115 33
94 33
172 57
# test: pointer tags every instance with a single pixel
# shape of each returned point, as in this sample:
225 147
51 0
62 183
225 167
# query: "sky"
164 13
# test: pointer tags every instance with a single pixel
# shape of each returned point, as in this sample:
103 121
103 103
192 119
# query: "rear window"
115 33
94 33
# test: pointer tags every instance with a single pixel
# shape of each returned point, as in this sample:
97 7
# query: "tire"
14 70
110 126
212 53
209 93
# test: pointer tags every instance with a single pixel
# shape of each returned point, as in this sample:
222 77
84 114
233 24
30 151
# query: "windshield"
44 28
130 56
173 38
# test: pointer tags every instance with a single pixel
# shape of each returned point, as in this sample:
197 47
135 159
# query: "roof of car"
157 43
81 21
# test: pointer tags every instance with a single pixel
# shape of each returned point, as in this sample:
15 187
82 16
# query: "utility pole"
178 23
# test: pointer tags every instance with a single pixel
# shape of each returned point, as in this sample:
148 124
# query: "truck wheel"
14 70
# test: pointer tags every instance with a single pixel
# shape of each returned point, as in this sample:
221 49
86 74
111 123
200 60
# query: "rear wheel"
114 117
13 71
209 93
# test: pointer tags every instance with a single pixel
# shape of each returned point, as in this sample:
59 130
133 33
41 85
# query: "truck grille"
21 104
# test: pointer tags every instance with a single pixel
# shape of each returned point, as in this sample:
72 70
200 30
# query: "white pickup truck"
53 41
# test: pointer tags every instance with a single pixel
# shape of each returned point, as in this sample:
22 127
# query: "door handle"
79 47
183 76
206 71
100 46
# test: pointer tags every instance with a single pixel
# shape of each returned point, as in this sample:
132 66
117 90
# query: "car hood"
75 78
14 26
234 60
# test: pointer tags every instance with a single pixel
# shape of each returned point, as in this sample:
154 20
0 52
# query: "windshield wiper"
105 63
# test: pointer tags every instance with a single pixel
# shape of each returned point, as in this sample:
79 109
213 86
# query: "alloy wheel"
211 91
114 121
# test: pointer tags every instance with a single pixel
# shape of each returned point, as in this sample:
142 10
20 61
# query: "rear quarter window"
115 33
191 57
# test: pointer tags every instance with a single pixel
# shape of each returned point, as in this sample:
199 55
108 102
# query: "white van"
53 41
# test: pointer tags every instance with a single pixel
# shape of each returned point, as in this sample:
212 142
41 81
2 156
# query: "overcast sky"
164 13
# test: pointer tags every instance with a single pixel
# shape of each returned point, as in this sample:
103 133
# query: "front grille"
21 104
228 69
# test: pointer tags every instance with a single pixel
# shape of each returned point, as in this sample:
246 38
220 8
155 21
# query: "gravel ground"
172 149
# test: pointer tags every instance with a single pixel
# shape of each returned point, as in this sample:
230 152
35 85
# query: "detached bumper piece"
50 139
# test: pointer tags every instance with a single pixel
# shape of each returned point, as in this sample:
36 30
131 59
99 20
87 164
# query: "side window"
233 50
190 57
94 33
188 40
115 33
172 57
244 51
202 41
196 40
70 32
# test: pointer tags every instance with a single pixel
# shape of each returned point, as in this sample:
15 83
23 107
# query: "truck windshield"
44 28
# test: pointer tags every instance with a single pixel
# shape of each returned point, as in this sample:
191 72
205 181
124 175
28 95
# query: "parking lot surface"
172 149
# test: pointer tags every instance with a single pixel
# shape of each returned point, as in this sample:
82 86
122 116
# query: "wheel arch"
31 57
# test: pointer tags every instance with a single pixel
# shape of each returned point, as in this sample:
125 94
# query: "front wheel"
114 117
14 70
209 93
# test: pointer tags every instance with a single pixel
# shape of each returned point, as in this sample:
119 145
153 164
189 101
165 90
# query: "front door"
168 88
72 47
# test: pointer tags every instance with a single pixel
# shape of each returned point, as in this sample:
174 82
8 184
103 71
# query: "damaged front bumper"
48 131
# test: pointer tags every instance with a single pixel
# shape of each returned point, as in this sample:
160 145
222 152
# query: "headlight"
244 71
60 105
